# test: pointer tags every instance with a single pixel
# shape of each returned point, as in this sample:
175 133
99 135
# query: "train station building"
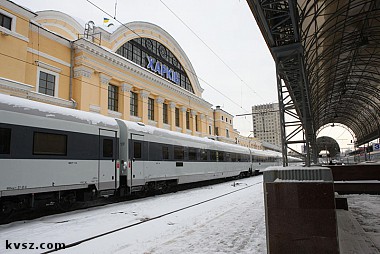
137 73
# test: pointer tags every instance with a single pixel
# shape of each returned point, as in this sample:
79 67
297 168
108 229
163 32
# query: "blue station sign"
162 70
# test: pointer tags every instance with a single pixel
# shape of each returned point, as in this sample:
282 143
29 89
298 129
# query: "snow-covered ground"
234 223
366 210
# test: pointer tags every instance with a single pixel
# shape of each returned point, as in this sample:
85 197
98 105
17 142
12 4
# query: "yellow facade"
48 56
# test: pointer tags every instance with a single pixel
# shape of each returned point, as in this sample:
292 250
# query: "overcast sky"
227 27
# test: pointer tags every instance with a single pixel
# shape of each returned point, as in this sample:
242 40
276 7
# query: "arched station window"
154 56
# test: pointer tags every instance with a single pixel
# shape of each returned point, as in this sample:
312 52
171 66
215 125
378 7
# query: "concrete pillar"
125 102
172 116
158 114
208 123
182 119
193 113
143 106
202 125
104 81
83 77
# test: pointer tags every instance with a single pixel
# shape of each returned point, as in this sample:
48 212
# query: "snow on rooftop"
20 105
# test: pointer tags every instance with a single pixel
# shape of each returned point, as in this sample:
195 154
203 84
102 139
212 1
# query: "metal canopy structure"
327 55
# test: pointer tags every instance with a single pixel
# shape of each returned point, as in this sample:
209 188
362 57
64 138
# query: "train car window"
179 153
5 141
137 154
155 151
165 153
213 155
49 144
192 154
203 155
233 157
108 148
221 156
227 157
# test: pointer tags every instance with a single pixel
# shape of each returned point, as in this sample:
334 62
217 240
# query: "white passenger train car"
50 154
158 157
46 148
54 154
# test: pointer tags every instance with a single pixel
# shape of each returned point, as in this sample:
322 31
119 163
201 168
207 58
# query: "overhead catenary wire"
125 94
200 78
204 43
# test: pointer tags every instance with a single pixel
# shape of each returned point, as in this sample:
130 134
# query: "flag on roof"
105 20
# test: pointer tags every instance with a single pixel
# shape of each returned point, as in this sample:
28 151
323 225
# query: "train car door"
107 177
137 154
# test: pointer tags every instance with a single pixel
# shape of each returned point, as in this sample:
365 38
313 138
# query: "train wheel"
6 210
164 188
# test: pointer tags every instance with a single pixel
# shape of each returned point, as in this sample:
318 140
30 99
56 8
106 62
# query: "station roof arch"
329 144
337 59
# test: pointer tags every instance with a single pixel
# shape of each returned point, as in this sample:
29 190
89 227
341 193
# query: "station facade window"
165 113
177 117
187 120
138 50
196 123
150 109
47 82
134 104
113 95
5 21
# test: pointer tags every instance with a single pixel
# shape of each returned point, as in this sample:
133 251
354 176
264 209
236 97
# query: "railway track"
57 209
76 243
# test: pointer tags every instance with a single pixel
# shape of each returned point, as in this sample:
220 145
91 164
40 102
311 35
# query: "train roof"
181 137
25 106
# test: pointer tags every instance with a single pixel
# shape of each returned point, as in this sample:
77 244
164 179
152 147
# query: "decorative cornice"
9 84
48 66
104 79
160 100
18 9
83 71
37 28
50 99
64 27
172 105
68 20
144 94
157 33
83 45
126 87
